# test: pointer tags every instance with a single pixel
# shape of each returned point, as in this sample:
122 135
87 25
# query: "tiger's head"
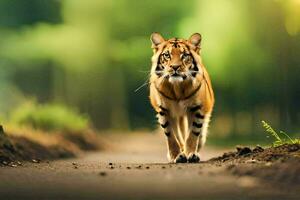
176 60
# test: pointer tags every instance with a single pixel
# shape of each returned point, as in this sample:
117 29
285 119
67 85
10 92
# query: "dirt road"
134 168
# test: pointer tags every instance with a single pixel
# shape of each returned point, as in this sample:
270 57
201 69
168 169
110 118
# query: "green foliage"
94 54
277 139
49 117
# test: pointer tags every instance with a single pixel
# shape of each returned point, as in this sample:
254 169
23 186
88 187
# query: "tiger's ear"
195 40
156 39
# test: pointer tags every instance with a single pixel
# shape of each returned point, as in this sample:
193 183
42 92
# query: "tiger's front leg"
195 138
175 148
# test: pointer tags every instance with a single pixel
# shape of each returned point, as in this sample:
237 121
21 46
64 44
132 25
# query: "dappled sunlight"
292 16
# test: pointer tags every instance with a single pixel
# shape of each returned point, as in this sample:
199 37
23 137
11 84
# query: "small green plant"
279 140
49 117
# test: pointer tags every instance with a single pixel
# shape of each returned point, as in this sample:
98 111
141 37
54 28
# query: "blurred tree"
96 57
16 13
94 54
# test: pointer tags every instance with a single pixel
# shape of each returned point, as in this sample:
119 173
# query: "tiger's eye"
185 56
167 55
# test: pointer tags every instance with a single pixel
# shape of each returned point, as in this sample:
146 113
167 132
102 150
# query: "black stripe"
193 93
188 48
158 61
165 125
195 67
161 113
195 108
196 133
198 115
159 67
175 44
197 125
163 109
164 95
167 134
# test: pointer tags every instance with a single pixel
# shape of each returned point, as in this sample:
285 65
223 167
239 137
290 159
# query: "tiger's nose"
175 67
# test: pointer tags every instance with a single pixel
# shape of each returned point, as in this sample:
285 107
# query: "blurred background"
75 63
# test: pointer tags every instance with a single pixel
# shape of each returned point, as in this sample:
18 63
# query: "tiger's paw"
181 158
193 158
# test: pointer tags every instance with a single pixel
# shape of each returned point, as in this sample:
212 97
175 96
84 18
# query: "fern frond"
286 135
279 141
271 131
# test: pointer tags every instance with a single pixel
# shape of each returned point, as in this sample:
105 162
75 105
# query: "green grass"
279 138
49 117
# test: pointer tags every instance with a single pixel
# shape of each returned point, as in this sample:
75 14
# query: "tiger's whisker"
140 87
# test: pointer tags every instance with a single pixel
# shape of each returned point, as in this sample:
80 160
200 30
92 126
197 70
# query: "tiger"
181 94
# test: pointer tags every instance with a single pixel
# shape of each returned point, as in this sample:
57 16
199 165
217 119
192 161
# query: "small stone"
258 149
243 150
73 163
147 167
251 161
75 167
110 163
4 163
19 163
102 173
238 148
35 160
128 167
111 167
268 164
139 167
293 147
13 165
